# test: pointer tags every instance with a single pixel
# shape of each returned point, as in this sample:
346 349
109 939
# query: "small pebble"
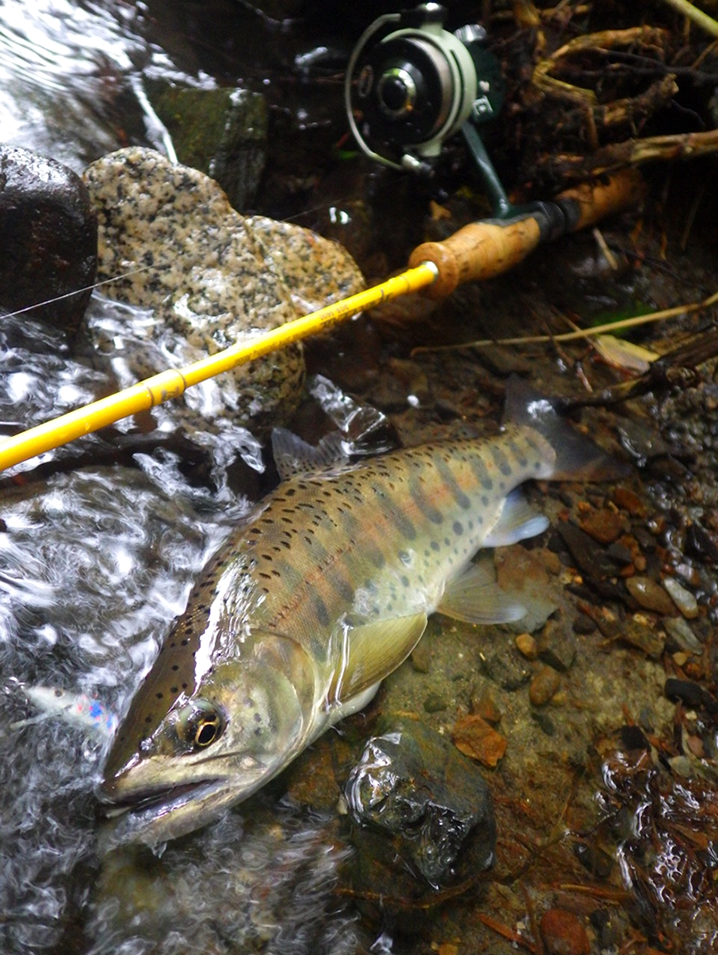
603 525
434 703
649 595
642 634
584 625
484 705
421 657
620 553
526 645
543 686
682 598
475 738
563 934
629 501
681 634
557 646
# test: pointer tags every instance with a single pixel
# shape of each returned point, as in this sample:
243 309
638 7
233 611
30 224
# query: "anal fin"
517 521
475 597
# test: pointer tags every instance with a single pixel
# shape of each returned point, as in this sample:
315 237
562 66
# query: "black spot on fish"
458 527
159 696
175 667
404 525
405 581
174 689
485 500
434 545
518 453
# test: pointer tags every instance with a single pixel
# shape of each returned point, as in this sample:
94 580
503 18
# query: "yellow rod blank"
173 382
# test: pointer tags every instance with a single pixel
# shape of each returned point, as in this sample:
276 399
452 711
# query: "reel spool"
411 84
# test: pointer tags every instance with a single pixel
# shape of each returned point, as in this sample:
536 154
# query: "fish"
323 592
91 714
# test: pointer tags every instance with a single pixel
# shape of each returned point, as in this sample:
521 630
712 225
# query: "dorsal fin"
293 456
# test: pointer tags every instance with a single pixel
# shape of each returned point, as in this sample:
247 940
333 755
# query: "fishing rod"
477 251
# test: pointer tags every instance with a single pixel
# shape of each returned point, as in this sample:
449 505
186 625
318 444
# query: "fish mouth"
156 798
161 813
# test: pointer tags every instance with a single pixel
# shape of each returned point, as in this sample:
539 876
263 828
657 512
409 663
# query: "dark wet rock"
650 595
584 625
544 686
681 636
508 670
633 737
222 132
646 540
591 559
620 553
413 785
563 933
593 859
701 543
48 234
475 738
446 409
691 694
557 646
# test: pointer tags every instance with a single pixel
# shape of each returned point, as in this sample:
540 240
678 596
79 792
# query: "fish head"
246 719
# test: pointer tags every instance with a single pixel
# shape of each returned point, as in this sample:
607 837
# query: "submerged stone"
414 785
49 238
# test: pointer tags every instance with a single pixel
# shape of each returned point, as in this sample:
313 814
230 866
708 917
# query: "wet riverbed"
606 795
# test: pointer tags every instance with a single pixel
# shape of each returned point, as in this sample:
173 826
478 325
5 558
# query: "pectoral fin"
517 521
372 651
475 597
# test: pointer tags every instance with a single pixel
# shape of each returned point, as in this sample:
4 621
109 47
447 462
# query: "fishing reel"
410 85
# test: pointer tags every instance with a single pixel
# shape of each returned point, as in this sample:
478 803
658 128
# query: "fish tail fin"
578 458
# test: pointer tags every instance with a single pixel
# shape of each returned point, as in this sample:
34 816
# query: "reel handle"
483 249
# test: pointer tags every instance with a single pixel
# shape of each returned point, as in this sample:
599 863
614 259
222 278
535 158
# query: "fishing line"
79 291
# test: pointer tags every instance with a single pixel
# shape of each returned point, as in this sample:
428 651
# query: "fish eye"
200 724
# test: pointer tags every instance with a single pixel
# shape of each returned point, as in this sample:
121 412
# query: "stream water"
94 563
